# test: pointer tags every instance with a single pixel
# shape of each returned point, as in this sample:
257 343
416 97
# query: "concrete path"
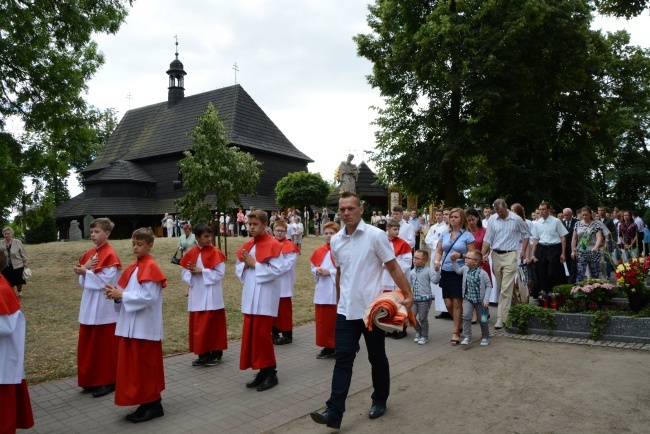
215 399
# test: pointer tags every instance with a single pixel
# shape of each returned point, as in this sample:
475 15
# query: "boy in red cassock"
283 323
15 406
140 374
260 264
97 348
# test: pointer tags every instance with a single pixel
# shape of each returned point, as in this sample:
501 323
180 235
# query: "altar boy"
404 256
97 348
140 375
260 264
15 406
203 269
283 323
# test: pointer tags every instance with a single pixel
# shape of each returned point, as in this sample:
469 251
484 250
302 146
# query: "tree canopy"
46 58
215 174
302 189
517 99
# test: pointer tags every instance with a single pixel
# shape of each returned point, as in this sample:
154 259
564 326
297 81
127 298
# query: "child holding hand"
476 292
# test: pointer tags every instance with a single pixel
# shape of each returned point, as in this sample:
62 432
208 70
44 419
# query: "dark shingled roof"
366 187
156 130
121 170
80 206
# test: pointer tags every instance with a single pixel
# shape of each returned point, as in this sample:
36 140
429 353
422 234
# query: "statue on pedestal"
348 174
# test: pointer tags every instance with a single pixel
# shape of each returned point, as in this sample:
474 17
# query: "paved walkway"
205 400
215 399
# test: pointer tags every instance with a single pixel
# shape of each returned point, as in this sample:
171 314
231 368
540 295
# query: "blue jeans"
348 334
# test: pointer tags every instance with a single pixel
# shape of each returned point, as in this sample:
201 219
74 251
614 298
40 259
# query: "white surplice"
261 292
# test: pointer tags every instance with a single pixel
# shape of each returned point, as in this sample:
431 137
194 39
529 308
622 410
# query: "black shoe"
377 410
199 362
325 353
90 389
326 418
283 340
269 383
443 315
399 335
212 361
150 412
259 378
103 390
137 412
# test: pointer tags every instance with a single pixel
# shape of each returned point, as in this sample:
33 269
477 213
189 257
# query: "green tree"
302 189
215 174
47 58
622 8
11 184
486 98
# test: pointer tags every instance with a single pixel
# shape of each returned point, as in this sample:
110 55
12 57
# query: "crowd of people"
456 258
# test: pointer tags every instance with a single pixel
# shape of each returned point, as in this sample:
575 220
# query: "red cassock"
15 407
208 331
256 344
140 373
97 355
325 324
284 320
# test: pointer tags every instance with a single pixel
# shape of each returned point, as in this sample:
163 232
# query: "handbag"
176 260
27 273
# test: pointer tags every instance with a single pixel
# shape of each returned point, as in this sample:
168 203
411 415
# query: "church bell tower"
176 75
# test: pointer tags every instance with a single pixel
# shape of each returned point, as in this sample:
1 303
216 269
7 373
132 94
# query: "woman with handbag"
13 272
186 241
457 239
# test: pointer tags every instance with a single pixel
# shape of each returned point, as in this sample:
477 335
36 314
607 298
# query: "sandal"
455 342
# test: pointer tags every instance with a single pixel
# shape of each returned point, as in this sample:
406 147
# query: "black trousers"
348 334
550 271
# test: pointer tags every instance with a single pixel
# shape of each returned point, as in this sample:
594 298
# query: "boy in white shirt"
140 373
204 266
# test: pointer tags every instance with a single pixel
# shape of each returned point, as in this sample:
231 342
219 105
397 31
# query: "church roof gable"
157 130
121 170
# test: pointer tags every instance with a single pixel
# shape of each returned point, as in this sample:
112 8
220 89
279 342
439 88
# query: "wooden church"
135 178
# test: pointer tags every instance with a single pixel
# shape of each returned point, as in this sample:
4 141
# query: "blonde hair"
8 229
464 224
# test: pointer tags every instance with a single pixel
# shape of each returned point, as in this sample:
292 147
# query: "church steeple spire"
176 75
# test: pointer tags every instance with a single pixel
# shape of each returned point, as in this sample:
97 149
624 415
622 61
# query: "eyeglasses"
469 257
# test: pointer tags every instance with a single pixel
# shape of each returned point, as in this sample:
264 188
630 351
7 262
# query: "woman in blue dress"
457 239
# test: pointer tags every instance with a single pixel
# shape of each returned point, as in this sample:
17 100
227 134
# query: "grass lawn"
51 300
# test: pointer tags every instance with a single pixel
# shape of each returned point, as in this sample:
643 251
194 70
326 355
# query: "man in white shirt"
359 250
549 247
406 231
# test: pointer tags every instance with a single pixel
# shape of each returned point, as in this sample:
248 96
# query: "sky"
296 59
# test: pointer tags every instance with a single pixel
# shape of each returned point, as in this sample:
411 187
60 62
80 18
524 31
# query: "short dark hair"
392 224
544 203
104 223
398 208
424 253
202 228
259 215
145 234
474 212
349 194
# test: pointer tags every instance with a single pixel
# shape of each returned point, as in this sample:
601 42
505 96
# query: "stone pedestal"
87 220
74 233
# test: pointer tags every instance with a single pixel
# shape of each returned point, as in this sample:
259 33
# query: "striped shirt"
505 234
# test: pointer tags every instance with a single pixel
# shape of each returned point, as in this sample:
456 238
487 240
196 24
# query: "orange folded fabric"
387 313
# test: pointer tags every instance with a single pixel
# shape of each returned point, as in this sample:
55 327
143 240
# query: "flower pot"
636 301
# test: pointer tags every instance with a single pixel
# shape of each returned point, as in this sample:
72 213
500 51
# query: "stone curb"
575 341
